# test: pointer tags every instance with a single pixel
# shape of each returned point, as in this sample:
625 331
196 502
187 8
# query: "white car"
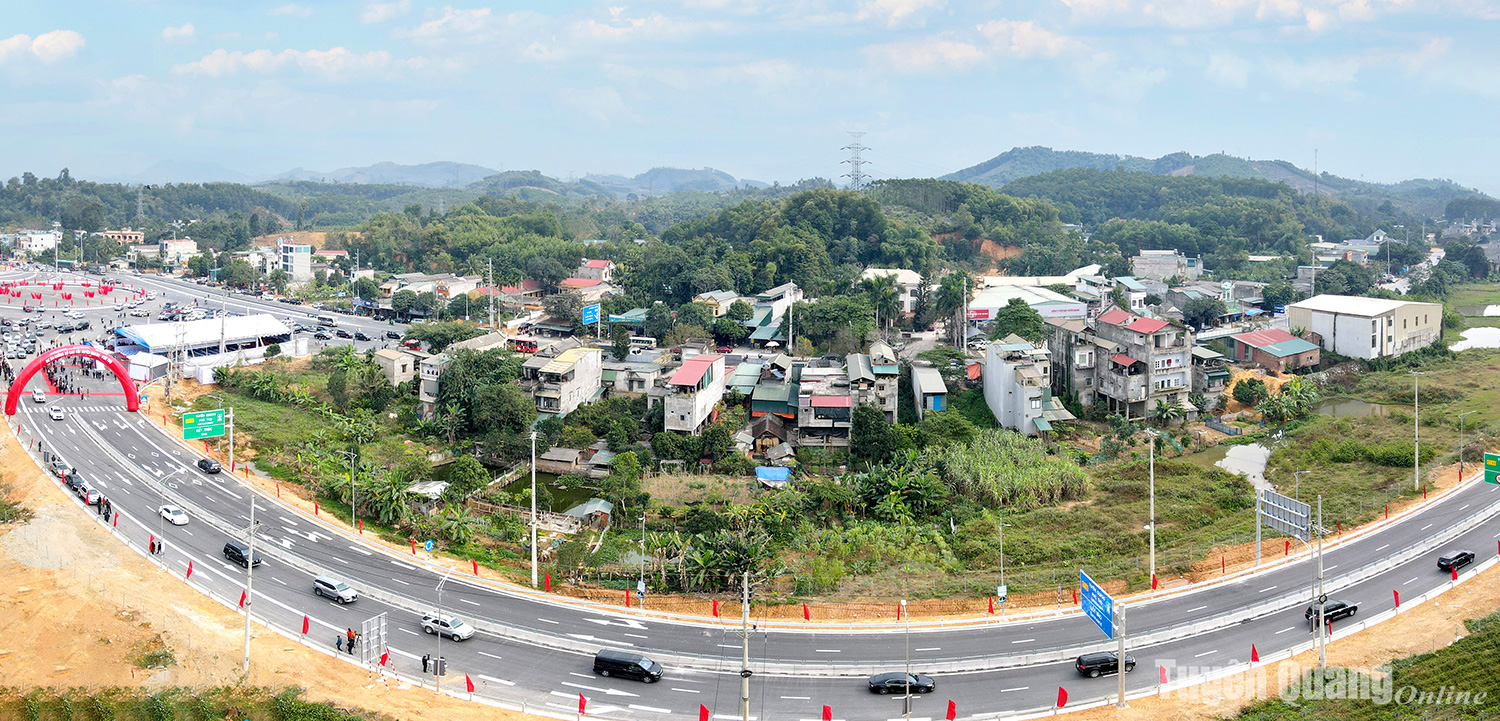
173 515
451 626
55 413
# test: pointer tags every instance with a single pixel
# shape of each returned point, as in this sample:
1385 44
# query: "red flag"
627 598
992 604
242 599
549 582
190 569
1288 550
413 546
115 521
361 525
807 616
716 608
1062 697
476 566
702 712
1163 674
386 658
1075 597
315 508
1455 573
827 712
1397 594
582 704
1153 582
1254 654
898 612
305 622
469 682
952 711
1223 567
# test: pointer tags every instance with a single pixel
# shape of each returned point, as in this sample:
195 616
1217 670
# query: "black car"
898 682
73 480
393 335
1333 611
238 552
209 465
342 333
360 335
1095 665
323 335
1454 560
609 662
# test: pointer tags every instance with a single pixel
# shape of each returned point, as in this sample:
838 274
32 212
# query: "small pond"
1478 338
563 498
1248 460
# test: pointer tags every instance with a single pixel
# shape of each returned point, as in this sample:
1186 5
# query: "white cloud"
1023 39
453 24
1228 69
47 47
182 33
381 12
603 104
893 12
293 10
1316 15
655 26
926 56
333 63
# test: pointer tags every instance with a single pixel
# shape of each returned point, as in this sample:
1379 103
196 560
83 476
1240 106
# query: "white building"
693 392
907 281
569 380
1046 302
596 269
1017 387
177 251
34 242
1367 328
1164 264
295 259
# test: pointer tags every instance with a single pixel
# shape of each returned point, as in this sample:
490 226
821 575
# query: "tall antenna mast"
856 174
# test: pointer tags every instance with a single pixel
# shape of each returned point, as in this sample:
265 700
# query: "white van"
327 320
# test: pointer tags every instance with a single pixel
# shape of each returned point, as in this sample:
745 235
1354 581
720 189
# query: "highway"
536 651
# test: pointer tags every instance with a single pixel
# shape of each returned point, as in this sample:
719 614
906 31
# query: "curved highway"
536 651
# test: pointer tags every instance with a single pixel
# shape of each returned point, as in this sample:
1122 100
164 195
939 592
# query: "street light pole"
438 670
249 575
1001 526
1461 444
907 616
353 513
1297 487
1152 442
1416 450
533 508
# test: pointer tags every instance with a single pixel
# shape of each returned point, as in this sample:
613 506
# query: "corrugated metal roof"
565 360
1290 348
692 370
859 367
831 402
1123 359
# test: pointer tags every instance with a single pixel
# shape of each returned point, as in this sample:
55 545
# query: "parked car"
323 335
609 662
88 493
360 335
330 587
1454 560
173 515
60 468
450 626
239 553
1095 665
73 481
393 335
1333 611
899 682
209 465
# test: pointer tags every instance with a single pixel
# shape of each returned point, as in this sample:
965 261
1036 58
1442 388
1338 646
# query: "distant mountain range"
1428 197
430 175
659 181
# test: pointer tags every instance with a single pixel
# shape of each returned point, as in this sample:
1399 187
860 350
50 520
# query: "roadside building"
597 269
124 236
1210 372
1149 362
1164 264
1274 349
1018 387
177 251
908 283
1367 328
630 378
928 389
824 405
295 259
563 382
874 377
1046 302
693 392
399 364
717 301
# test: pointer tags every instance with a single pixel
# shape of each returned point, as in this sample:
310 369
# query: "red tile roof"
692 369
1123 359
1117 317
831 401
1263 338
599 263
579 282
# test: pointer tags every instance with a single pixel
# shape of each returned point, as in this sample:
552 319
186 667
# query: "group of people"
69 379
346 641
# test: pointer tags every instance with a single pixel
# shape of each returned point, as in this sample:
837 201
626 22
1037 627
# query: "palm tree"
456 524
1166 411
885 296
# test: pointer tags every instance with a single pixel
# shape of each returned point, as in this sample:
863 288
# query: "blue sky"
762 89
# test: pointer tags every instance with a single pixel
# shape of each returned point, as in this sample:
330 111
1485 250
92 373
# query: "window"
1424 319
1036 404
1403 324
1373 341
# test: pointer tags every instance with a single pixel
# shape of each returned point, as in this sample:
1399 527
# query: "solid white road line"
827 650
1263 590
1423 528
548 620
1018 688
496 680
1382 548
635 635
652 709
471 603
934 648
728 645
794 698
1023 640
1200 608
1206 653
491 655
1284 630
687 690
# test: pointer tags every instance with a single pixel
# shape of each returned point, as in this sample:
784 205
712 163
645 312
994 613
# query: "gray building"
1018 387
1164 264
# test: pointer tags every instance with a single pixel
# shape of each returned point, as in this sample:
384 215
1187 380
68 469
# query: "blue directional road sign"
428 545
1097 605
591 314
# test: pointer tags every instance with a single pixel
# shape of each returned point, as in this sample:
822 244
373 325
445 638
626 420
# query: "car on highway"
330 587
610 662
173 515
38 395
59 468
239 553
898 682
450 626
75 315
73 480
1333 611
55 413
323 335
209 465
88 493
1454 560
393 335
1095 665
342 333
360 335
140 313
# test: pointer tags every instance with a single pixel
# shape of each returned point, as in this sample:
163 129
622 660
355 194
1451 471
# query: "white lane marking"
1018 688
407 630
1463 506
1413 579
340 559
284 519
491 655
273 578
496 680
605 691
547 620
728 645
187 531
1023 640
633 635
652 709
1382 548
728 717
689 690
397 580
1284 630
1330 568
934 648
361 550
471 603
827 650
1423 528
794 698
1205 653
1200 608
403 565
1263 590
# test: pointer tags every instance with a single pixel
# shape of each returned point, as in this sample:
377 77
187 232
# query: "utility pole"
438 672
249 574
533 509
1416 432
907 615
491 296
1120 652
1322 600
745 671
1461 444
856 174
1152 441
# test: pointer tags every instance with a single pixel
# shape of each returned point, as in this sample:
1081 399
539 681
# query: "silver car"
450 626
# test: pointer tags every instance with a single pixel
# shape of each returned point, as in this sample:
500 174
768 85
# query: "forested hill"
1422 197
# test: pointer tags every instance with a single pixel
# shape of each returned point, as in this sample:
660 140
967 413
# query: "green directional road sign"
1492 468
203 424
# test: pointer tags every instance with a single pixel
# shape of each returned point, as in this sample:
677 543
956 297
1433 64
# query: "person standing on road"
426 662
339 644
351 636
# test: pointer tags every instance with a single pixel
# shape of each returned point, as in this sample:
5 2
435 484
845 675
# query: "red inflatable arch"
13 398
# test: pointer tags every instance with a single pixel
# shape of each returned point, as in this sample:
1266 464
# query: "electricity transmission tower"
856 174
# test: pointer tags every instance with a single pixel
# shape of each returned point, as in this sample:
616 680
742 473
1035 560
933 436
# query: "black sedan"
1453 560
897 682
360 335
1333 611
209 465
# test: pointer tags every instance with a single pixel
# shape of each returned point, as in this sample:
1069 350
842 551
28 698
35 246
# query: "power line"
856 174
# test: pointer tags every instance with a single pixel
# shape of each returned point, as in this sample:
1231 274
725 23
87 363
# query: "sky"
769 90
